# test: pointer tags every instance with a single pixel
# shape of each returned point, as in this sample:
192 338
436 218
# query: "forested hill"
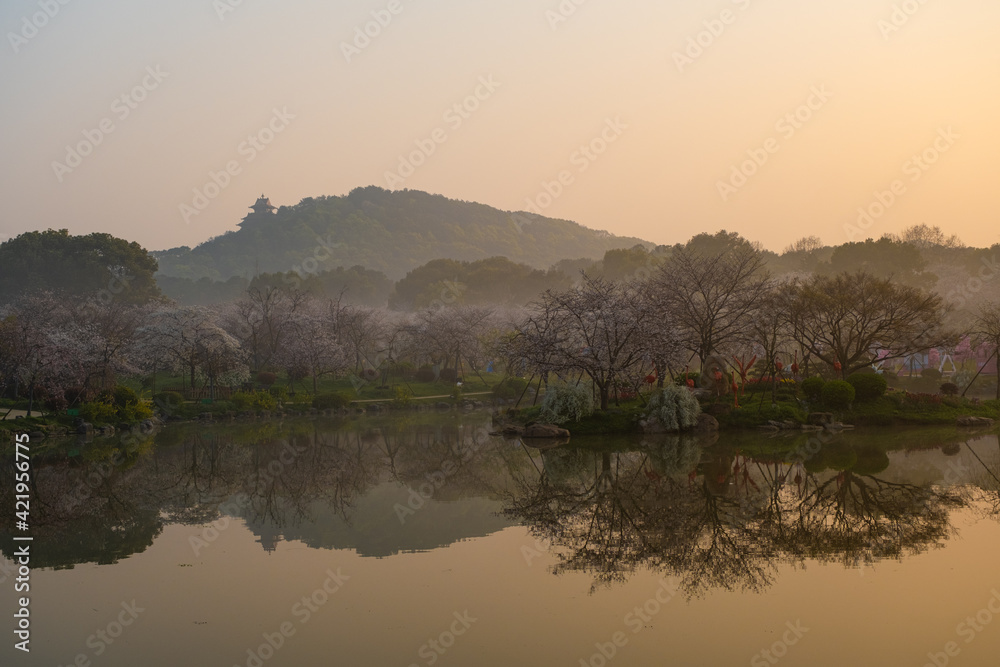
392 232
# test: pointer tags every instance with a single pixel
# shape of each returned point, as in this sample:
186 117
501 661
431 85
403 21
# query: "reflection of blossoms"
672 454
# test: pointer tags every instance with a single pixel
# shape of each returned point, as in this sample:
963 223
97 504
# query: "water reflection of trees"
725 521
718 515
984 475
105 499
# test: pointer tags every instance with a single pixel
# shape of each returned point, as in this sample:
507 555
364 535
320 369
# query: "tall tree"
986 329
41 350
597 329
885 258
855 319
261 321
189 340
94 265
711 287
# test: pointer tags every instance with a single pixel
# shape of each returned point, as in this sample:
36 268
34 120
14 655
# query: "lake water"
422 540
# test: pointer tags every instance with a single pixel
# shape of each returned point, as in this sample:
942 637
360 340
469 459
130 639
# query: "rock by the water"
969 420
545 431
706 424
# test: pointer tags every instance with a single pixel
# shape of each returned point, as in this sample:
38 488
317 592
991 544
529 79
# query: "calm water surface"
422 540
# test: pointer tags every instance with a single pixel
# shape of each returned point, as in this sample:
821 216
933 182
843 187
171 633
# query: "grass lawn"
353 387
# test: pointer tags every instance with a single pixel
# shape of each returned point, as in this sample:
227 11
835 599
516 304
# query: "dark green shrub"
280 394
837 394
812 388
949 389
168 401
266 379
931 374
120 404
332 401
425 374
510 387
254 401
868 386
99 412
122 396
448 375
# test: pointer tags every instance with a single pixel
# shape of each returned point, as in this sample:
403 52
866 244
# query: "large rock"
820 418
653 426
706 424
545 431
969 420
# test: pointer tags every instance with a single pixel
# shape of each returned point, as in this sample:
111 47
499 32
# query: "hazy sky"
869 84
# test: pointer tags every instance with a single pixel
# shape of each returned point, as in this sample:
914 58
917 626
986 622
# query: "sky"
162 122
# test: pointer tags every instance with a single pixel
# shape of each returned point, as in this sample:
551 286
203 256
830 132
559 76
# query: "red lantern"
837 366
779 365
690 383
650 379
795 368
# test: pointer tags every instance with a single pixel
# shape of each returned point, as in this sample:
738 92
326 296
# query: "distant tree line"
637 316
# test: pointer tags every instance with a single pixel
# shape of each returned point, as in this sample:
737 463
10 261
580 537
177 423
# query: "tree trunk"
774 383
604 396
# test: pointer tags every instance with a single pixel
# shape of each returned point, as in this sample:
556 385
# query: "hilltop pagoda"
260 208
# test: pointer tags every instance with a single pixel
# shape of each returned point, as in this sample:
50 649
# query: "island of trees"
906 325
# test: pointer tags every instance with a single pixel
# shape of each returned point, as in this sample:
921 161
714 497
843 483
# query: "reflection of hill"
374 527
330 484
88 540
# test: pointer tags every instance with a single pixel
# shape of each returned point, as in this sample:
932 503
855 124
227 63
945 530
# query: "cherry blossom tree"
189 340
599 329
311 343
41 349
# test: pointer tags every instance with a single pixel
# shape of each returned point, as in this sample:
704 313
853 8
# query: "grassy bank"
896 408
